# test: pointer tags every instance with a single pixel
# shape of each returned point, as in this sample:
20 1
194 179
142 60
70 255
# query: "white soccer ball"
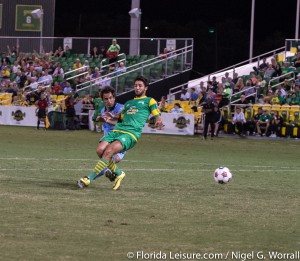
222 175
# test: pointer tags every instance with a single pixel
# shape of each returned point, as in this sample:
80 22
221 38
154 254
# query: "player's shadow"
45 183
60 184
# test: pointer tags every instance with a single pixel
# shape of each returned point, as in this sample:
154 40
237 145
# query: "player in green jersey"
126 133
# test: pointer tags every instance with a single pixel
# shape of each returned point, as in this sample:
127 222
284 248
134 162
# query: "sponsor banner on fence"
17 115
175 123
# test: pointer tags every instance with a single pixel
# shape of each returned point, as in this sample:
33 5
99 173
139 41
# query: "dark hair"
177 104
142 79
108 89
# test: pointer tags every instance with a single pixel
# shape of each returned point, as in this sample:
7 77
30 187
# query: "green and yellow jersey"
135 114
99 105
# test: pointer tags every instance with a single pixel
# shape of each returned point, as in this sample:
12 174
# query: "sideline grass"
168 200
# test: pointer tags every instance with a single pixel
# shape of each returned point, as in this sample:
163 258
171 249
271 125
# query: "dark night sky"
274 22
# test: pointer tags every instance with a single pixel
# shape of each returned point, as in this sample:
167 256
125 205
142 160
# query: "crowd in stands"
241 92
26 76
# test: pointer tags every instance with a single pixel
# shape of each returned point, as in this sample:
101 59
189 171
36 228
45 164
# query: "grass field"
168 201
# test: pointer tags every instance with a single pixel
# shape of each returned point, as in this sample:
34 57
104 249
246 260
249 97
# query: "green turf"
168 201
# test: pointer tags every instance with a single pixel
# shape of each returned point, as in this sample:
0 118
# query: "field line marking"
146 169
147 161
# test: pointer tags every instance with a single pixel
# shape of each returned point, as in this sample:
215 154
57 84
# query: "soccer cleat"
118 180
111 176
83 182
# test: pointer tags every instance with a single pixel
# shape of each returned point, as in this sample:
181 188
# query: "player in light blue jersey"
110 108
108 95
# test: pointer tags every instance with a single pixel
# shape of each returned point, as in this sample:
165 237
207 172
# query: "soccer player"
108 95
126 133
42 106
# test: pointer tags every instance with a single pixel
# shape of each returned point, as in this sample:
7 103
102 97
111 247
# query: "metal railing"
275 79
242 68
144 65
244 91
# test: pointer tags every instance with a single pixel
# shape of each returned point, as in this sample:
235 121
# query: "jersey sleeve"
154 108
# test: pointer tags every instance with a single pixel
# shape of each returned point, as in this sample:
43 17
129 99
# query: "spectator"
253 78
281 89
227 78
296 60
68 89
16 67
89 75
87 105
23 101
215 83
59 52
102 53
164 54
235 77
249 91
113 51
264 65
120 68
254 120
58 72
264 121
23 78
276 123
193 96
14 53
226 94
239 121
94 52
244 101
106 80
57 89
185 95
239 85
295 99
261 85
269 71
46 78
277 99
162 105
77 65
5 59
277 68
177 109
97 76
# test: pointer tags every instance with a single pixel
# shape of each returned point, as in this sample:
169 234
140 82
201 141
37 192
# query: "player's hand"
109 114
159 125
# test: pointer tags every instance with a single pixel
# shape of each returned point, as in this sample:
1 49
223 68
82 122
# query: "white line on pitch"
145 161
126 169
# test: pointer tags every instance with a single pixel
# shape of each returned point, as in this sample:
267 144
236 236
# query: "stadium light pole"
251 31
39 14
135 27
297 20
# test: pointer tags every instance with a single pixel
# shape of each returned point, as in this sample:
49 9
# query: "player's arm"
156 113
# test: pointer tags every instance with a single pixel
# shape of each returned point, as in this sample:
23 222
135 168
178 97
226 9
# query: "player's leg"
122 143
99 169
